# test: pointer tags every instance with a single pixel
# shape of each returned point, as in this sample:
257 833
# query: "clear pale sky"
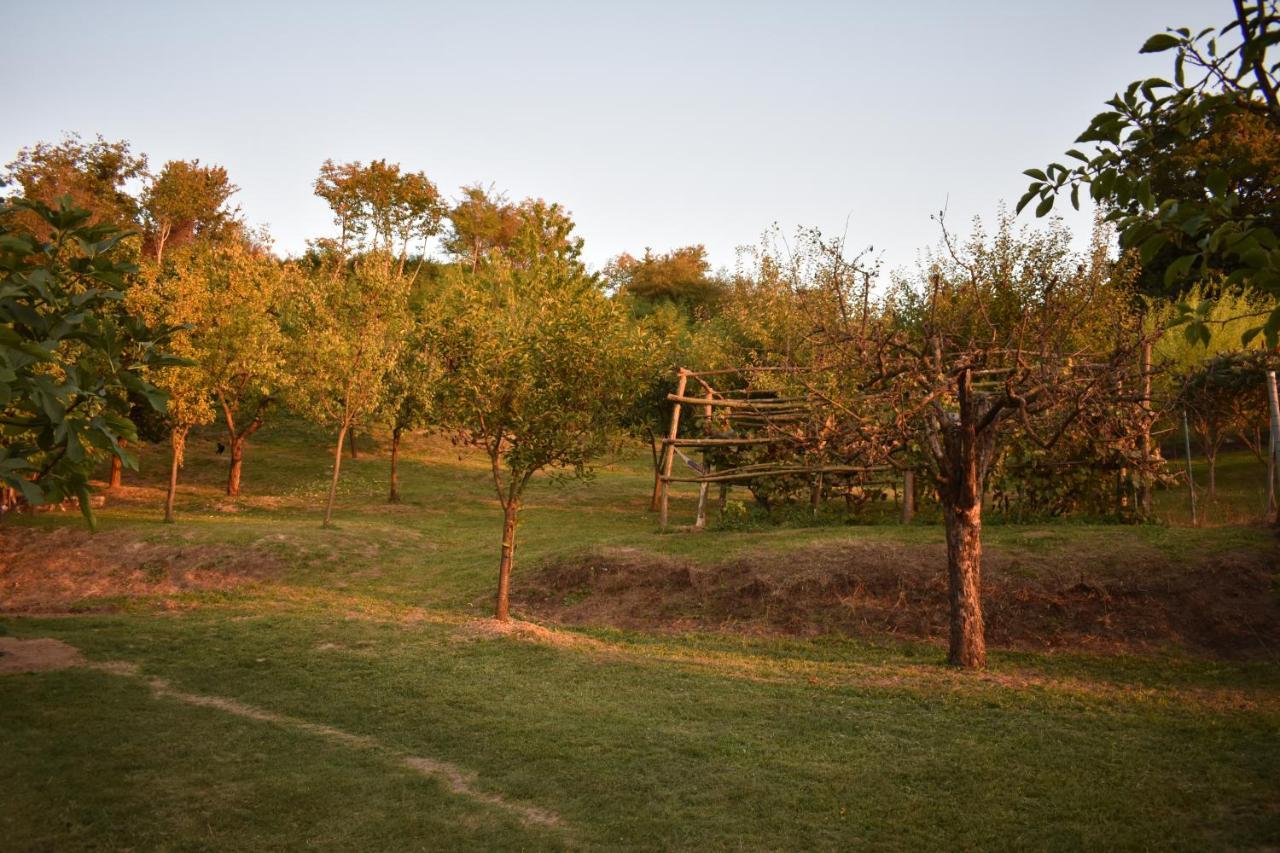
656 124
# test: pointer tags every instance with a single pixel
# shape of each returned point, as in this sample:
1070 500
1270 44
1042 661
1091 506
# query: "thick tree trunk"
117 469
333 484
964 576
394 497
236 449
967 445
510 513
177 441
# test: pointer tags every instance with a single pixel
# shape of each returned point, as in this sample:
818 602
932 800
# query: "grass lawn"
351 702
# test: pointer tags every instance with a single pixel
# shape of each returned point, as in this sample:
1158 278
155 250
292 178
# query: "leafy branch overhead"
1187 168
68 360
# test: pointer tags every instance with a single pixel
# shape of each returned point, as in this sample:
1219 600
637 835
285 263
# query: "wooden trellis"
749 409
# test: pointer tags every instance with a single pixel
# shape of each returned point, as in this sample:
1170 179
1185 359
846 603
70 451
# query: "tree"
1186 169
410 399
541 366
1005 340
1224 395
482 220
185 201
680 277
95 176
348 327
230 295
67 363
377 207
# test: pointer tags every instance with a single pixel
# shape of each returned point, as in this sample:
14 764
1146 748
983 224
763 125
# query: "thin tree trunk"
1144 475
233 470
510 512
352 443
177 444
394 497
655 503
1211 456
333 484
964 575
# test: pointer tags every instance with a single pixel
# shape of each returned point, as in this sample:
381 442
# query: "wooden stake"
1191 480
700 520
908 496
1144 476
670 450
1273 458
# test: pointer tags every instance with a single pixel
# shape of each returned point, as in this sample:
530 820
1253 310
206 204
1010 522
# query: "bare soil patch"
51 571
1107 597
38 655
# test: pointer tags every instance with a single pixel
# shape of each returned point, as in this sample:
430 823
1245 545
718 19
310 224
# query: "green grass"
635 741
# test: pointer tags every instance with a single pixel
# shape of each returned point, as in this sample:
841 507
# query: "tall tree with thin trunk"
186 201
540 368
380 208
347 327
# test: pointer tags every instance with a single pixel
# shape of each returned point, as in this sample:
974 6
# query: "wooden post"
908 496
670 450
1273 458
1144 475
1191 480
700 521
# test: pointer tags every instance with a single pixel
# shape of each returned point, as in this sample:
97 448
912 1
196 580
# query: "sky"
657 124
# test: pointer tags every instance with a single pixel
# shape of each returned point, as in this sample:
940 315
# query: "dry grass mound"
50 571
1130 598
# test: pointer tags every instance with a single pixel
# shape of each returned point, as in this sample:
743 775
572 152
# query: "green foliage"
1187 169
481 221
378 206
69 358
186 201
541 366
346 325
680 277
94 175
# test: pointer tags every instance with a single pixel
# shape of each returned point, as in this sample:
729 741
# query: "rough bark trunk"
394 497
333 483
967 446
964 575
502 610
236 449
117 469
177 440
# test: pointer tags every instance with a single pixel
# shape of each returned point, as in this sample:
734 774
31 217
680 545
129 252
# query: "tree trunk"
352 443
655 503
177 442
394 497
502 611
236 449
964 576
333 484
1211 456
117 469
968 444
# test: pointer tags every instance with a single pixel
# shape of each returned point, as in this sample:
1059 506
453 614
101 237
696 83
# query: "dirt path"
45 655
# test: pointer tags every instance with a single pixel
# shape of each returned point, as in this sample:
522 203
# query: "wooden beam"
670 450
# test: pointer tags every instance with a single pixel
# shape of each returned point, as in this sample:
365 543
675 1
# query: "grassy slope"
634 741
